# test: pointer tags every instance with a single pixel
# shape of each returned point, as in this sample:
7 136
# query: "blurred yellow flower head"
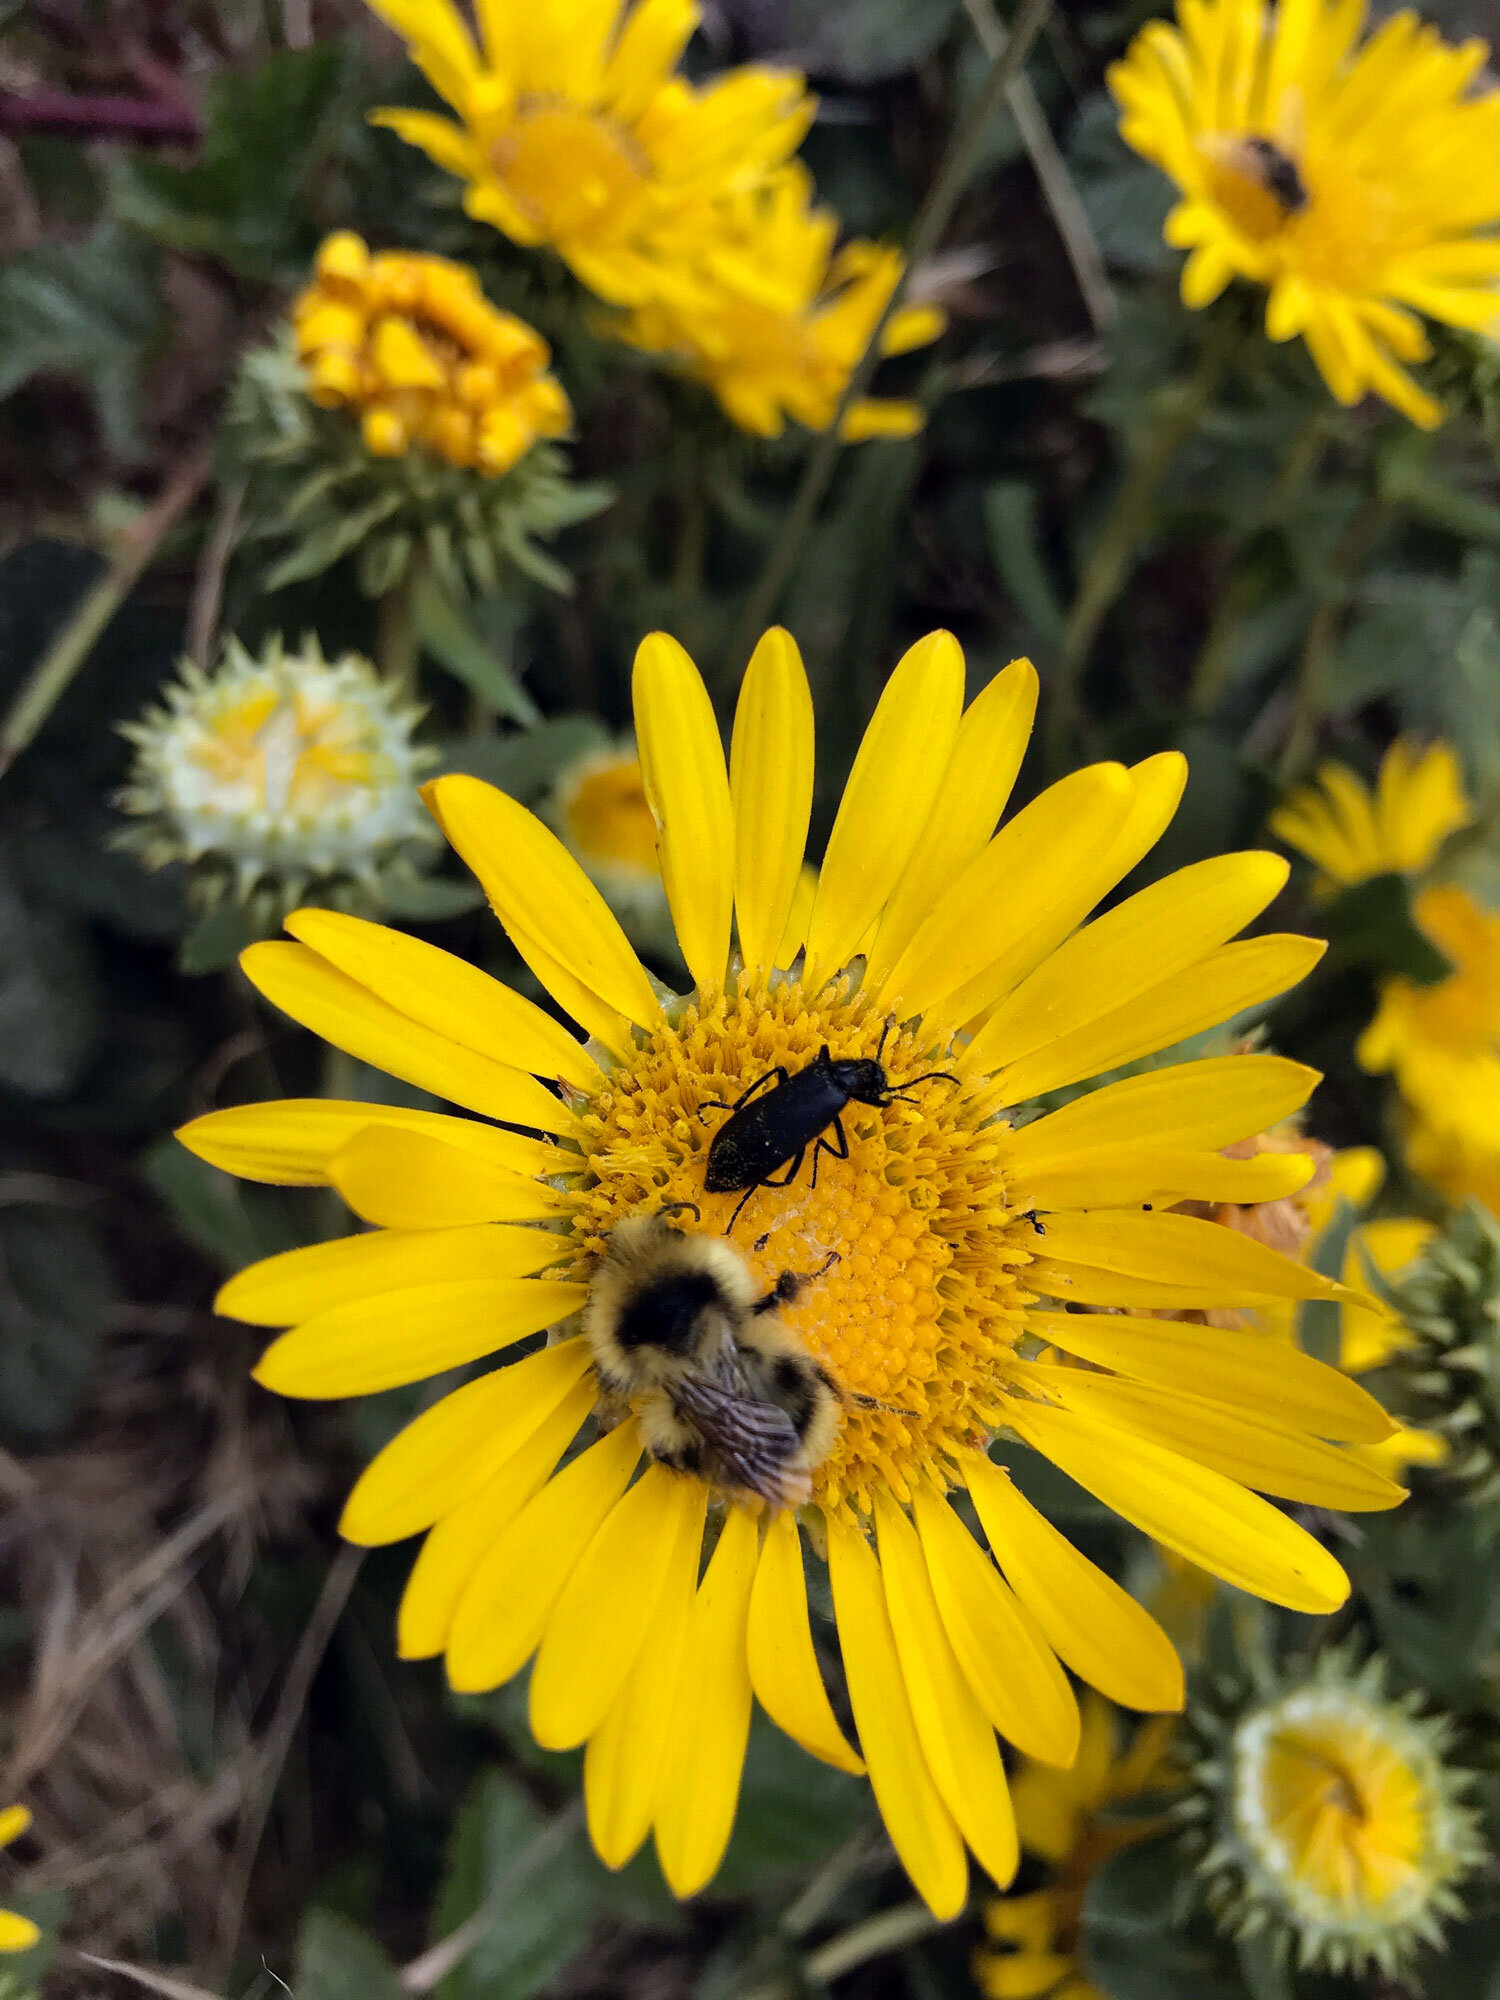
1351 833
1359 183
17 1933
412 344
787 347
575 130
285 766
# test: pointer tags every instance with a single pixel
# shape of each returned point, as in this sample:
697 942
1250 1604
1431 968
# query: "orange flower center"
572 174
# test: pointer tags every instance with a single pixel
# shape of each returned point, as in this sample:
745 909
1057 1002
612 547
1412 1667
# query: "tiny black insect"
1277 172
777 1128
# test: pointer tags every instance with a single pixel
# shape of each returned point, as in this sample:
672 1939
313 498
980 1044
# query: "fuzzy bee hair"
720 1386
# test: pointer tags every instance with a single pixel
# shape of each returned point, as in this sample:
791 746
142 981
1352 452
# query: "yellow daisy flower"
943 1321
1359 184
1351 833
788 348
17 1933
1337 1821
1069 1820
575 130
1440 1044
412 344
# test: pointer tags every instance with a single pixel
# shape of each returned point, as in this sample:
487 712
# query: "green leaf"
57 1297
862 41
336 1960
208 1206
1127 199
457 645
1266 1974
248 199
545 1885
793 1812
1011 524
427 899
1372 924
48 1004
526 764
1319 1321
1135 1945
90 309
217 938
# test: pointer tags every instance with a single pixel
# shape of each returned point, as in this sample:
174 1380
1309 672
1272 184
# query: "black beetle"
776 1130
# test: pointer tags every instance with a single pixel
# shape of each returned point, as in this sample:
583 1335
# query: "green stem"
397 649
1109 559
54 672
932 219
886 1931
1357 540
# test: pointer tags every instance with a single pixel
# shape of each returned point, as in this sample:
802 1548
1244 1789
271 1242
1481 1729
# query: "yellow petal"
446 994
1272 1457
956 1737
1006 1661
1155 788
687 787
922 1829
1170 1255
17 1933
1147 1175
462 1539
1210 1103
1198 1512
556 918
596 1631
451 1450
991 742
1108 1639
891 791
1223 1365
623 1762
503 1612
407 1336
408 1180
14 1821
700 1778
987 915
783 1665
1214 989
278 1291
1150 936
291 1142
771 782
344 1013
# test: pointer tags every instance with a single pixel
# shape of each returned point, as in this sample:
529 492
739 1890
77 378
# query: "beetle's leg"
791 1173
790 1283
754 1188
838 1152
781 1074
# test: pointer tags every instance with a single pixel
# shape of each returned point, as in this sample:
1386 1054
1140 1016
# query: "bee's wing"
755 1440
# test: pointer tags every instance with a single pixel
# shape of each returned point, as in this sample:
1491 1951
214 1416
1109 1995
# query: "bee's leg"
790 1283
838 1152
781 1075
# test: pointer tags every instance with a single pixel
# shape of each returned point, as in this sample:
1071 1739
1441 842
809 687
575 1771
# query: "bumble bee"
720 1387
1262 161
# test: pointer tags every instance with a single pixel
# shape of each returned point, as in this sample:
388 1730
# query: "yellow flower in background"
1441 1043
412 344
1333 1819
576 130
1071 1820
598 805
787 347
1359 184
17 1933
1350 833
937 1307
287 766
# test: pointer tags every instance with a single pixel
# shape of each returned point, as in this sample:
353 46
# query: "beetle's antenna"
885 1035
676 1208
910 1083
